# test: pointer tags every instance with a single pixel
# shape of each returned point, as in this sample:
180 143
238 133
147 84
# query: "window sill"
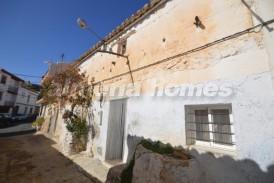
218 151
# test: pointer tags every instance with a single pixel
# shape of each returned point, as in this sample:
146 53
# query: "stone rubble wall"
151 168
202 168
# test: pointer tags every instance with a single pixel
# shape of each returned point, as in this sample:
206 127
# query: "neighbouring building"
16 96
26 101
204 69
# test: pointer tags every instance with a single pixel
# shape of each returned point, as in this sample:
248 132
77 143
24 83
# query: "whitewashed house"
203 72
26 101
15 97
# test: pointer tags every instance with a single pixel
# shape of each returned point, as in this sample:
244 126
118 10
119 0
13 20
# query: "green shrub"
157 147
38 122
77 126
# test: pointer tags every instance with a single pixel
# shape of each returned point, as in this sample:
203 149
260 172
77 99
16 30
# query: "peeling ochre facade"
174 23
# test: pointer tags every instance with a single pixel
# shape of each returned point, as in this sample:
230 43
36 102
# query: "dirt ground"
32 159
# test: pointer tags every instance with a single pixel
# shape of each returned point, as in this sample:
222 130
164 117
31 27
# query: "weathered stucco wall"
243 61
163 119
174 23
264 12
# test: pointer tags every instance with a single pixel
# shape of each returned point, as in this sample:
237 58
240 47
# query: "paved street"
33 159
20 127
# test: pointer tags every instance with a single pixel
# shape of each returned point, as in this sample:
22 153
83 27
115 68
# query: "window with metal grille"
209 125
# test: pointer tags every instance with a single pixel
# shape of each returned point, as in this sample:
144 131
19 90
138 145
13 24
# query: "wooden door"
116 125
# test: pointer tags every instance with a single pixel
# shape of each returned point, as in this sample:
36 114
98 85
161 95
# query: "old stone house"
220 51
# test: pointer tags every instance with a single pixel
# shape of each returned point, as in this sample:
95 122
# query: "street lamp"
83 25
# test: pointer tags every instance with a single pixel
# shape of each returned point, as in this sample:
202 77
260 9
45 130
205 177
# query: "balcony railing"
9 103
13 90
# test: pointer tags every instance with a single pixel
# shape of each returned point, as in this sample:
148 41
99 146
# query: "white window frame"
210 120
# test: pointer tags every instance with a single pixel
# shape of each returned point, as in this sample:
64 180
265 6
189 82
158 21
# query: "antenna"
62 58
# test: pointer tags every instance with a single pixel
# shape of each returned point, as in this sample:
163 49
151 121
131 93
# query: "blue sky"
35 31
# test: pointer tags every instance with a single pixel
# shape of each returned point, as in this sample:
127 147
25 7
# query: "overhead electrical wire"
29 76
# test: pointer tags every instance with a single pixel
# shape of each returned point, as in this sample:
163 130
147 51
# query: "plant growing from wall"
38 123
48 90
83 98
77 126
70 88
75 118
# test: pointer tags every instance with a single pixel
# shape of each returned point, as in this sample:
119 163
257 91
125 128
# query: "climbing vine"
70 88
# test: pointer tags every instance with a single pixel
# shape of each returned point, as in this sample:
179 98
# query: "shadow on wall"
227 169
132 142
222 169
49 126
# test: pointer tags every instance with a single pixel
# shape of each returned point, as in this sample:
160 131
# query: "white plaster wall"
22 100
4 88
264 9
252 105
3 97
8 97
163 118
245 64
21 109
23 94
98 144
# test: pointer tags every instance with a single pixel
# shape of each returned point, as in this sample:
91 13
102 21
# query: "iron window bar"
214 141
221 133
230 124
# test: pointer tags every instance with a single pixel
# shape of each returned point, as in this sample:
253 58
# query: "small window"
3 79
1 95
210 125
122 47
